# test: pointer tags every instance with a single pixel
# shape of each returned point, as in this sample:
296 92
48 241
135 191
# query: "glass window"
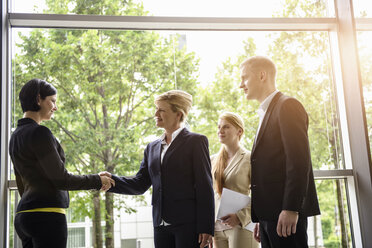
129 243
365 57
330 229
13 239
107 80
76 237
190 8
362 8
113 65
333 225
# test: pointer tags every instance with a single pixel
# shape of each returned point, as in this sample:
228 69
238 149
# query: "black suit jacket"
282 174
39 166
182 185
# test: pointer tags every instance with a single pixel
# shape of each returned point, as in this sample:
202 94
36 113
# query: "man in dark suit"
283 188
177 166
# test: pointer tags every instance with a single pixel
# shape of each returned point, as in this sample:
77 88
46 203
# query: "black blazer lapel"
156 155
266 119
175 144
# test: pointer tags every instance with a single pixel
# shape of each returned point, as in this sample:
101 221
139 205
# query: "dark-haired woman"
41 177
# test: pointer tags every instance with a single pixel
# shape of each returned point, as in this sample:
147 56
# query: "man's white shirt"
261 111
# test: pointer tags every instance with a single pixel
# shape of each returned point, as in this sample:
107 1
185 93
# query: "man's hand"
287 223
231 220
256 233
205 240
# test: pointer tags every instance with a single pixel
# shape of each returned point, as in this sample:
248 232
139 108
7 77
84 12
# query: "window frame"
342 30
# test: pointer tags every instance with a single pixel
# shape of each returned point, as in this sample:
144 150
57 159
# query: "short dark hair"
30 92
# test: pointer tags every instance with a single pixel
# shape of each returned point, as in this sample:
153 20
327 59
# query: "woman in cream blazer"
231 169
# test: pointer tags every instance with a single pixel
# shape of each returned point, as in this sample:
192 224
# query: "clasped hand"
106 180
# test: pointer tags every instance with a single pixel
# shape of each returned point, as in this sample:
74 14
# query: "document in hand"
232 202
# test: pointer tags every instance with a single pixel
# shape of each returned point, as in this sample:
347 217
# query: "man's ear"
263 75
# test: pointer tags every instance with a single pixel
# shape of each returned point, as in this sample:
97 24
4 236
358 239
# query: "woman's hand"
105 173
107 182
231 220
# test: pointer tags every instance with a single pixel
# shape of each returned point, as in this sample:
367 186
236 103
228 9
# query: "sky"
212 47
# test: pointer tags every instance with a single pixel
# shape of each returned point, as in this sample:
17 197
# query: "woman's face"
47 107
165 117
227 133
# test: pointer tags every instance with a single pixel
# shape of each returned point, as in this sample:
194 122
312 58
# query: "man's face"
250 83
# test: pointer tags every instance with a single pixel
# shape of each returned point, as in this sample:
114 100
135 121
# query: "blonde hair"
257 63
220 162
180 101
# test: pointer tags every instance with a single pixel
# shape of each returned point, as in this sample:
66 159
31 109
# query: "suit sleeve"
52 165
19 182
136 185
293 127
203 186
244 214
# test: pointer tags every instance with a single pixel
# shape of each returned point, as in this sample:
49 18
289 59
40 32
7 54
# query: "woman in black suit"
177 166
41 177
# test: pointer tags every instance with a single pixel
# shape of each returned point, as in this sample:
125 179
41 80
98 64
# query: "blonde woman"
231 169
178 168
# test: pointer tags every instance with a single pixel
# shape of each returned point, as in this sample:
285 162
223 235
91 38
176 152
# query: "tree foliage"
106 83
305 72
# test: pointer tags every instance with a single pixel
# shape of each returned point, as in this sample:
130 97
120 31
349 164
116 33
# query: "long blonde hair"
220 162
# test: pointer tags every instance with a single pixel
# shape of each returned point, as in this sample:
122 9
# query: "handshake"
106 180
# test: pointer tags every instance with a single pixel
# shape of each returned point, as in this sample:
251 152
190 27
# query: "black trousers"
41 229
270 238
176 236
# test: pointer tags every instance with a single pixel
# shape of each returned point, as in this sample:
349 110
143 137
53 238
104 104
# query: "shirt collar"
26 120
265 104
174 134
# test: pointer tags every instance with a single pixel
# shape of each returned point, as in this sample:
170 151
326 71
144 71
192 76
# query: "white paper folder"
232 202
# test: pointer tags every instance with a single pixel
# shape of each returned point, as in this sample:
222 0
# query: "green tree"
292 52
106 83
316 90
223 94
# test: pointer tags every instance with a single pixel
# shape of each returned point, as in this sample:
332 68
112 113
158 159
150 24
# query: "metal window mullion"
363 24
170 23
353 122
332 174
350 182
4 133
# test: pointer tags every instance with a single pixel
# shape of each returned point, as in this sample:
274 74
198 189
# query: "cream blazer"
238 178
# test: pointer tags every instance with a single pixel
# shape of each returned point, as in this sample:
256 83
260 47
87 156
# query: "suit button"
253 160
253 185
